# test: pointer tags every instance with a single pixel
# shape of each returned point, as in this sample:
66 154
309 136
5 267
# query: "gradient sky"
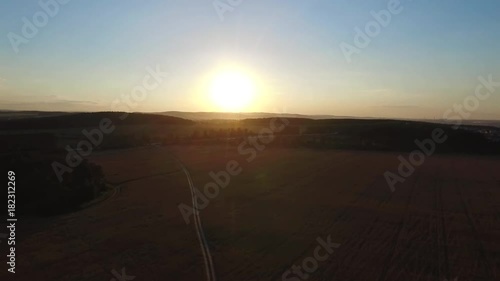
427 59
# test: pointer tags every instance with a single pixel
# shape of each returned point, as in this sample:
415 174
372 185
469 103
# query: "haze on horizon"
276 57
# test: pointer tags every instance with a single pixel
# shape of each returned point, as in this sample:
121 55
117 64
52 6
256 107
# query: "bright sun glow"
232 91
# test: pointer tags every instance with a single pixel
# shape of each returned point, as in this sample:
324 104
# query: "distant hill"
199 116
207 116
79 120
338 133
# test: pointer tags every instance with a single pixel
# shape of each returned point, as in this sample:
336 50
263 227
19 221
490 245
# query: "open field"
443 222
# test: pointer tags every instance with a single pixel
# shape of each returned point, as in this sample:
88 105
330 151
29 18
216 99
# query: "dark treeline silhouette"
388 135
39 191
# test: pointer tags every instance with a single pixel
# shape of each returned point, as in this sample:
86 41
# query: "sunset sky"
285 56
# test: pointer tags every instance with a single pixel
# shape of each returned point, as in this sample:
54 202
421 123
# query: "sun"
232 91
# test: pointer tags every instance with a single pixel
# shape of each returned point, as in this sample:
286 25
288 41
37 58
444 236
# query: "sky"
89 54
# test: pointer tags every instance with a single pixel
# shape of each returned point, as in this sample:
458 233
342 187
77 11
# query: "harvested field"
442 223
